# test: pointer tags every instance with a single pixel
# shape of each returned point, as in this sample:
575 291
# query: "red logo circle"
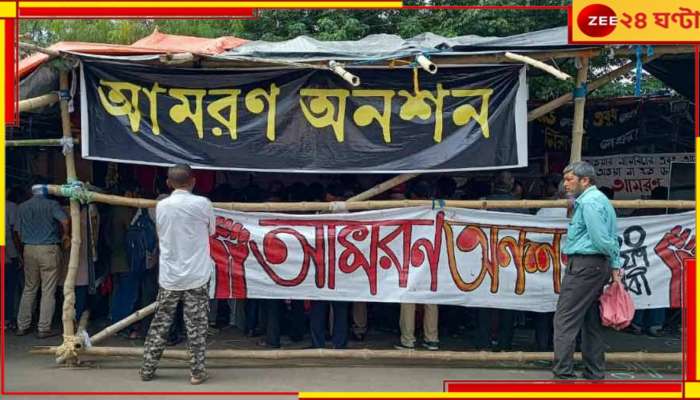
597 20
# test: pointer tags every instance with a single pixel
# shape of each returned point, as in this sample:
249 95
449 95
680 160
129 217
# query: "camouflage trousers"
196 310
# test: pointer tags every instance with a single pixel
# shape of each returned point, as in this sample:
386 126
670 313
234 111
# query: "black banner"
305 120
621 126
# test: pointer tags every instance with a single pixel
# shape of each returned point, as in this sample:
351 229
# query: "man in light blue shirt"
594 255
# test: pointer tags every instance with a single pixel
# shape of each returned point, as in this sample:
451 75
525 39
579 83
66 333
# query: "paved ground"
31 373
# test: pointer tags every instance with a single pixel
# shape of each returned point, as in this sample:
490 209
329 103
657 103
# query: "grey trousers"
577 310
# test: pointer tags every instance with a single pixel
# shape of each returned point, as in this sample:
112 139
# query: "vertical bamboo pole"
579 108
69 284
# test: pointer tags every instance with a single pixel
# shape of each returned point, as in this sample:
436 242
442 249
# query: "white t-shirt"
184 223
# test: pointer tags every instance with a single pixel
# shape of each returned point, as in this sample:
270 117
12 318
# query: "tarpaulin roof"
191 44
385 46
676 71
155 43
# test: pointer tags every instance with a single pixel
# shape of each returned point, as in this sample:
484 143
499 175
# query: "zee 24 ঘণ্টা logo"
597 20
634 21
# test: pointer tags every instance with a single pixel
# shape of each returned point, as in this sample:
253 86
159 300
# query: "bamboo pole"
33 47
539 65
579 109
382 187
371 354
593 85
378 204
118 326
36 142
72 274
37 102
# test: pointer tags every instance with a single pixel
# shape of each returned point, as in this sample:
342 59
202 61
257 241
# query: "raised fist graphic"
674 248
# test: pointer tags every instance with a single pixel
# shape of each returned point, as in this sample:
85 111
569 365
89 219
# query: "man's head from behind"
578 176
181 177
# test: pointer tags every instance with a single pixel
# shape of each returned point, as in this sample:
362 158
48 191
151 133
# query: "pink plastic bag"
616 307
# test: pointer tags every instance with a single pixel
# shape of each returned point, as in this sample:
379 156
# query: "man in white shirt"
184 223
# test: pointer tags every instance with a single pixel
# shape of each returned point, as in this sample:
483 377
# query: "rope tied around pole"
75 190
438 204
338 207
67 143
580 91
68 350
64 95
638 50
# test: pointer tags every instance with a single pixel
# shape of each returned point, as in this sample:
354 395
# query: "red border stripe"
10 69
58 12
555 386
690 321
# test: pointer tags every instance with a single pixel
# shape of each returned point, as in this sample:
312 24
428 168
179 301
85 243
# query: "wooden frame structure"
78 342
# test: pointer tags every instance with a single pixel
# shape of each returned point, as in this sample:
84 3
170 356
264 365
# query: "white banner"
634 176
446 256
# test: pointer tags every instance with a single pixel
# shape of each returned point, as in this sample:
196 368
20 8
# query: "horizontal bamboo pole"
37 142
539 65
118 326
37 102
381 204
370 354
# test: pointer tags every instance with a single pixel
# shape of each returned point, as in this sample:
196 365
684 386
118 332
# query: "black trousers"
275 310
505 319
319 318
543 330
577 310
